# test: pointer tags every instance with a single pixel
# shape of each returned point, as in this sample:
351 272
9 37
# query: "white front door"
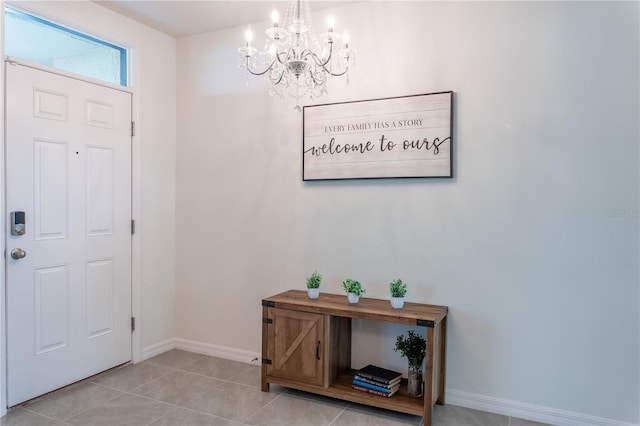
68 168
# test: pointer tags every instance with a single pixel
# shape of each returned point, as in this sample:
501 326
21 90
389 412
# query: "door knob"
18 253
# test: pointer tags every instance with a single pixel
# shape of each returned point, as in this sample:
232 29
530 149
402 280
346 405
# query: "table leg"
442 355
265 333
428 378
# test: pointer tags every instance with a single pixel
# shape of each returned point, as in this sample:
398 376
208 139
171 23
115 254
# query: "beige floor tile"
177 387
176 358
184 417
452 415
232 401
22 417
217 367
289 410
68 402
362 418
522 422
125 410
252 376
132 376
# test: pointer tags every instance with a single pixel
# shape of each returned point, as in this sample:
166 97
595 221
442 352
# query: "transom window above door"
38 40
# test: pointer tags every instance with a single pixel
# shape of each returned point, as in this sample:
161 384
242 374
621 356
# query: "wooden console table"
306 345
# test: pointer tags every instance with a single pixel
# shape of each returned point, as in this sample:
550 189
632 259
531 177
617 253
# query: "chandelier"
293 60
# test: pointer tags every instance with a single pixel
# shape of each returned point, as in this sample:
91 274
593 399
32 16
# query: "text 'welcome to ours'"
380 143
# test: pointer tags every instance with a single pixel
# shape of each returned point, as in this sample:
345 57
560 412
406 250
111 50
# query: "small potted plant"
313 285
354 290
414 348
398 291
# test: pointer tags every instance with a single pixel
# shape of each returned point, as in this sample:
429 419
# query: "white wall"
534 245
154 85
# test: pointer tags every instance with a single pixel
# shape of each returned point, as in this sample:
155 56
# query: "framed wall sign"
406 137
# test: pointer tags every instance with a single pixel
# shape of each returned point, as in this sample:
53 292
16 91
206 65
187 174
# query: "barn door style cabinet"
306 345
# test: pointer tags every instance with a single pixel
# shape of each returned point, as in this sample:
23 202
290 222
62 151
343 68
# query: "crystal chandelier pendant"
294 56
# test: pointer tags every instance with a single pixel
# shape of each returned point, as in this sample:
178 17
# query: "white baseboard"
200 348
157 349
527 411
218 351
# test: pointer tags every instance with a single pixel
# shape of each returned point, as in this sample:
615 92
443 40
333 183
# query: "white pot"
397 302
353 298
313 293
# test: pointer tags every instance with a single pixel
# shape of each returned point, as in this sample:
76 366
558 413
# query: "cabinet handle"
318 350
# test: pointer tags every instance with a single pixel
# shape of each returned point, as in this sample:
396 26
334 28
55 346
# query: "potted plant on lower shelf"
414 348
354 290
398 291
313 285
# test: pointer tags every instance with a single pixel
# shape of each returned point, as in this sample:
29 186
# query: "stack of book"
377 380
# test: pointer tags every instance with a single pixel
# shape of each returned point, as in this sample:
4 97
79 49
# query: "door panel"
99 179
53 106
68 167
51 298
100 289
296 346
51 170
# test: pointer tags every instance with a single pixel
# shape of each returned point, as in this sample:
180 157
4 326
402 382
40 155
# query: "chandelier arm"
316 82
286 55
307 52
325 69
336 74
323 65
276 82
331 73
260 72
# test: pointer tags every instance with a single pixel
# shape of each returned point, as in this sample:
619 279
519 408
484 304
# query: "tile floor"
183 388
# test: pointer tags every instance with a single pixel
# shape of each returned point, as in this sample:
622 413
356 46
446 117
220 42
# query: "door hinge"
267 320
133 226
133 324
266 361
133 128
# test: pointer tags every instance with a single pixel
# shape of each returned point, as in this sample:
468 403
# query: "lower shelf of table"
341 389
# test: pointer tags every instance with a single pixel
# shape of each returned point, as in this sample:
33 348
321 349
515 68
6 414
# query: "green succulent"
353 286
314 280
397 288
412 347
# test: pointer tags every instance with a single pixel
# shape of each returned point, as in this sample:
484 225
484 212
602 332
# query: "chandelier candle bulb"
332 22
345 39
275 17
248 35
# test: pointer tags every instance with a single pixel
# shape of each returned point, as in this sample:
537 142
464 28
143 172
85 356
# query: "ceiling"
186 17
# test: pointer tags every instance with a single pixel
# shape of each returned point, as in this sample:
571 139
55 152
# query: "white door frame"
3 325
136 203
